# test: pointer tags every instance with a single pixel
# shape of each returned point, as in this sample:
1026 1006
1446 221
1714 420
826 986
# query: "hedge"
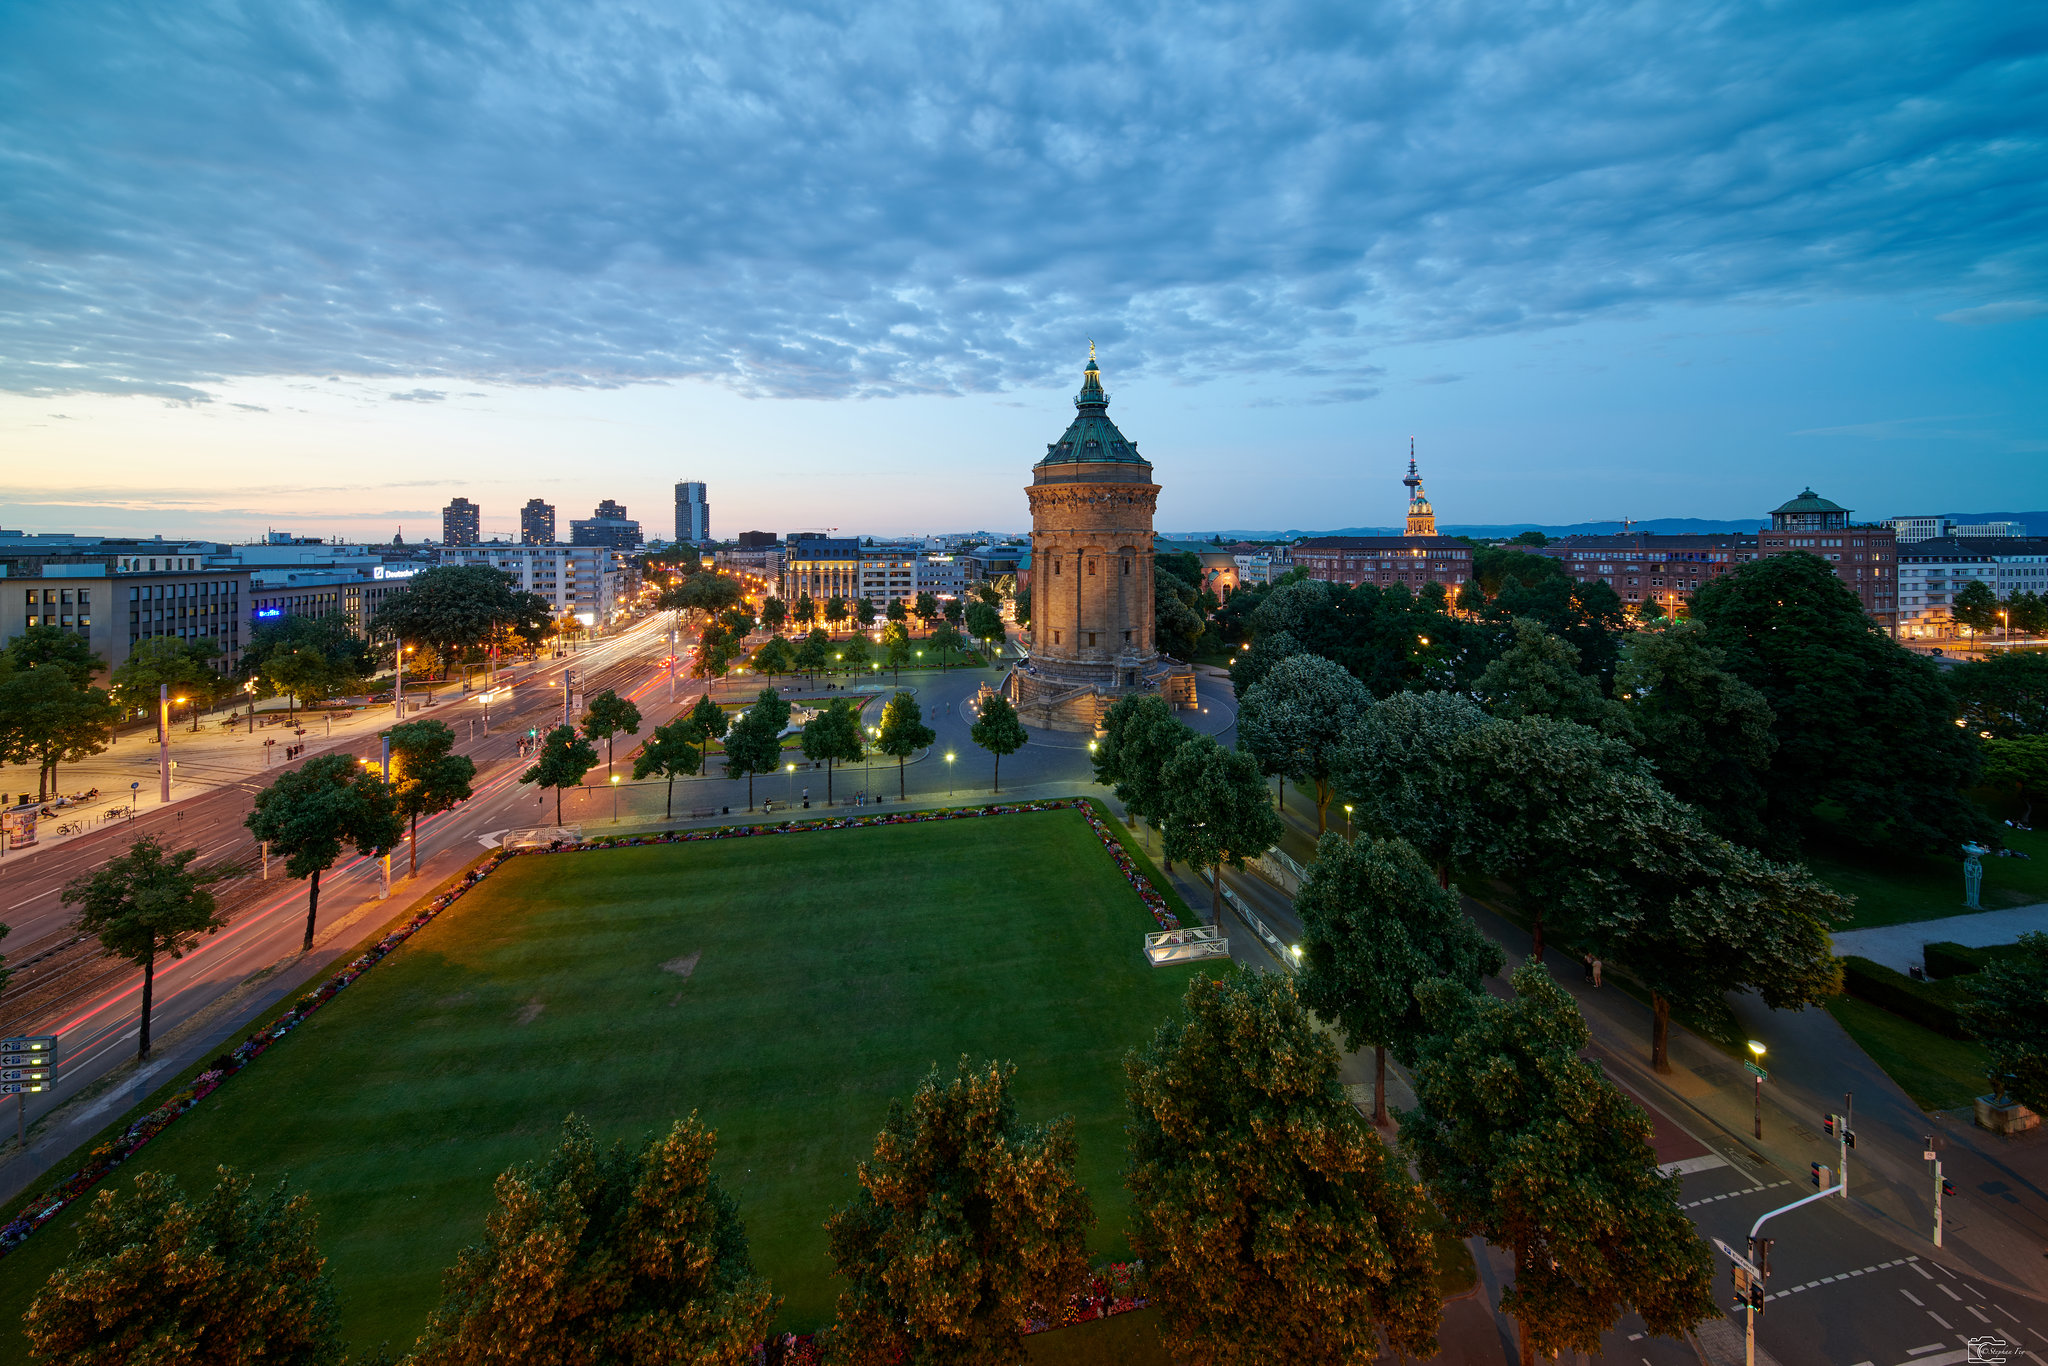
1946 958
1931 1005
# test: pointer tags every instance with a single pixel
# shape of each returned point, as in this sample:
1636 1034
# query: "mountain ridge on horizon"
2036 524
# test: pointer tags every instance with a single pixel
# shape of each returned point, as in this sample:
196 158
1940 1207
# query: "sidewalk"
1901 946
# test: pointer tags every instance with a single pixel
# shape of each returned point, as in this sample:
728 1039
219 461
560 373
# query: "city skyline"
519 255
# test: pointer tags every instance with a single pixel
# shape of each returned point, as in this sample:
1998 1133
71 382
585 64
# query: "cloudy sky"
324 266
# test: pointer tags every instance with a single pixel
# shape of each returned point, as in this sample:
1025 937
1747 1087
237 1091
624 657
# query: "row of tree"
1273 1224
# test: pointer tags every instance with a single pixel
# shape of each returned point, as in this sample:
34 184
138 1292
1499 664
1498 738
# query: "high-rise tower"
693 513
1092 500
1421 517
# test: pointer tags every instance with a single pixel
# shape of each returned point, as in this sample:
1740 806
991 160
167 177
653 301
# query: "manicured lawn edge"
1936 1072
103 1158
1136 853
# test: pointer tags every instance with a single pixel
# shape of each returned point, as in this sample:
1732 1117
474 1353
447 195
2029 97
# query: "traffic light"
1849 1137
1827 1125
1763 1256
1948 1187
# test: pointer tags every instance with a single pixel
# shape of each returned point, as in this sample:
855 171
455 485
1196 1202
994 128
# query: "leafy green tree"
708 722
1976 607
333 637
48 718
428 777
143 905
896 611
1375 926
1539 676
37 646
989 593
1707 731
1020 607
703 595
1538 795
1217 811
814 653
965 1219
606 715
754 746
927 608
184 666
231 1280
1298 719
806 610
836 610
310 812
1693 916
2026 612
851 653
985 624
774 657
2023 763
2006 694
564 759
832 737
945 639
737 622
998 731
1868 746
896 646
1273 1226
304 675
1140 734
774 614
1521 1140
670 752
1402 766
955 611
606 1257
904 733
2008 1013
1589 615
715 651
1259 658
1176 616
457 608
1495 566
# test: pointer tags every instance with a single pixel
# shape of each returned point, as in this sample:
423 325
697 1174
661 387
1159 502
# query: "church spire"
1421 517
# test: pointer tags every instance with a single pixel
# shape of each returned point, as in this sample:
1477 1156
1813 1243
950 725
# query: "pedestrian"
1596 972
1587 959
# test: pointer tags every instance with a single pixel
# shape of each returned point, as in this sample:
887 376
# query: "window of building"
1055 637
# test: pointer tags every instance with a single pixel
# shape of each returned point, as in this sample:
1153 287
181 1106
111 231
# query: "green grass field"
826 973
1938 1072
1897 890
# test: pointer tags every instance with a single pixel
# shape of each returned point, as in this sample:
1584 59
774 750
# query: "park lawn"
829 971
1938 1072
1897 890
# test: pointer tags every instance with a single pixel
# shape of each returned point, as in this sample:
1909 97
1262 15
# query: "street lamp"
1347 820
949 773
792 783
615 799
1756 1051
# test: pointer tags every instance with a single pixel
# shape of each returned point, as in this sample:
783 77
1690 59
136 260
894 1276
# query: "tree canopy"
670 752
2008 1013
605 715
1707 732
144 905
1140 733
564 759
904 733
309 813
1403 768
428 777
2006 694
1298 720
1217 810
998 731
833 737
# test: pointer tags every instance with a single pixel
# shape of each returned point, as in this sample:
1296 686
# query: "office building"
537 523
586 582
117 592
461 523
608 526
693 514
1932 572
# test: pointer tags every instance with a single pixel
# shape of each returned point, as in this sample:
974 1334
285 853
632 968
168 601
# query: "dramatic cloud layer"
880 198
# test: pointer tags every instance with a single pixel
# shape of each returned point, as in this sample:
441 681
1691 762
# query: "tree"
1261 657
304 675
904 733
1297 720
927 607
1402 765
1140 734
1650 610
833 736
37 646
563 761
1375 926
737 622
896 646
456 608
814 653
1523 1141
706 595
333 637
1693 916
774 613
2024 764
605 716
185 666
143 905
1589 615
708 722
998 731
774 657
955 611
851 653
232 1280
1868 748
1495 566
1976 607
1217 811
634 1256
835 610
1020 607
989 593
945 639
670 752
897 611
309 813
1707 731
1176 618
48 718
715 651
966 1217
2006 694
985 624
2008 1013
1273 1226
1539 676
754 745
864 612
430 776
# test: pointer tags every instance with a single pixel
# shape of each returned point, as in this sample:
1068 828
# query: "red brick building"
1387 560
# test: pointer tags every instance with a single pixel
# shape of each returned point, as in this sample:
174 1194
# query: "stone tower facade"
1092 624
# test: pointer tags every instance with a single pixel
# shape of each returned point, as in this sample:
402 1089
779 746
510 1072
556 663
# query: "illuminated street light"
1756 1051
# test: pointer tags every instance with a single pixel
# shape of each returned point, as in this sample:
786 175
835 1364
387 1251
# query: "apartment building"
588 583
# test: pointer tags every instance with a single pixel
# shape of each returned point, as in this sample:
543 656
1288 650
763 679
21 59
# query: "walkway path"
1900 946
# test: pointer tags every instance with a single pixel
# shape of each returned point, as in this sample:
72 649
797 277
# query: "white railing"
1280 870
1281 949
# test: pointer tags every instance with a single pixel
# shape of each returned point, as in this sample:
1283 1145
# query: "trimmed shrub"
1931 1005
1945 958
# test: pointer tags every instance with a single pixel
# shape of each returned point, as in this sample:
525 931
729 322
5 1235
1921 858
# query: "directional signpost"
28 1066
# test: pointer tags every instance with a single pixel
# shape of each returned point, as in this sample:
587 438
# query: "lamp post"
615 799
791 769
949 773
385 893
1756 1052
163 741
1347 820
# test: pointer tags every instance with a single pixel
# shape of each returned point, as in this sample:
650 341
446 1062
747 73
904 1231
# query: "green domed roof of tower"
1092 438
1809 501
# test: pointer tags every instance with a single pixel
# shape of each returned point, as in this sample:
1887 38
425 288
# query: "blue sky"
325 266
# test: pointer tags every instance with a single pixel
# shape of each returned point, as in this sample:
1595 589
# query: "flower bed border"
108 1156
